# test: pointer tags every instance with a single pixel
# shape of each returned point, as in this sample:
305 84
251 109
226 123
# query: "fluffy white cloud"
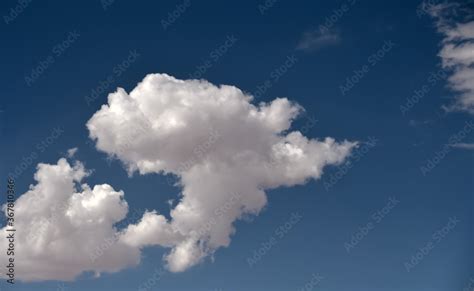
60 225
457 52
224 150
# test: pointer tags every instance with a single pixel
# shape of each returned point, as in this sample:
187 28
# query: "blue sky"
389 48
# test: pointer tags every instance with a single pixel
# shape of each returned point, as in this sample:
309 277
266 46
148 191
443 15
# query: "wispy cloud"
455 22
317 38
462 145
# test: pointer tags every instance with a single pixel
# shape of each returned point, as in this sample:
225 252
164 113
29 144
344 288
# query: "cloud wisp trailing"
463 145
457 50
313 40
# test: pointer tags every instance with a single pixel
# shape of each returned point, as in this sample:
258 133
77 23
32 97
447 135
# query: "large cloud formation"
224 150
60 224
454 21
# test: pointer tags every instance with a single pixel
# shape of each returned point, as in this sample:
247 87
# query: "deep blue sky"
315 245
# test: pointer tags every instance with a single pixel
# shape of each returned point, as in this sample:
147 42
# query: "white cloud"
60 224
224 150
457 52
318 38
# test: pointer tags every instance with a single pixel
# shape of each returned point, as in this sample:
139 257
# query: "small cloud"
71 152
466 146
318 38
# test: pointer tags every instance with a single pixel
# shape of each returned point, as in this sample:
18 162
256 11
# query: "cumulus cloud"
224 150
318 38
60 223
457 51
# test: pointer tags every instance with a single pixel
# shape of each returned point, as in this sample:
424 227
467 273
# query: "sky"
245 145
